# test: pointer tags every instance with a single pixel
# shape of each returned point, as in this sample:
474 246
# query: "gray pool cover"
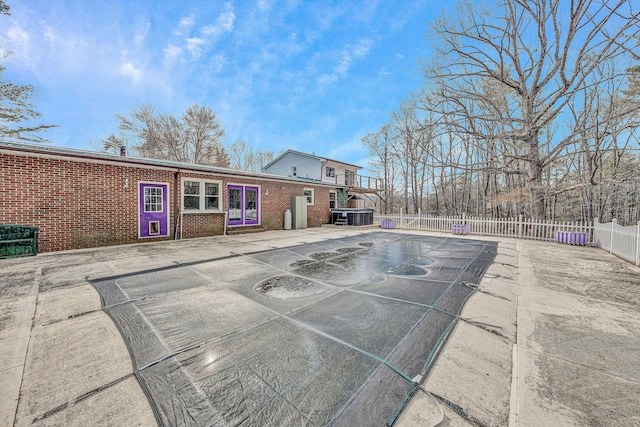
328 333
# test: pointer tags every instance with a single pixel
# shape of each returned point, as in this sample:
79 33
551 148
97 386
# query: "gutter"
71 153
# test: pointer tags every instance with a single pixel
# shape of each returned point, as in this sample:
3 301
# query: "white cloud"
263 5
223 25
362 48
194 45
207 35
171 54
186 24
17 39
50 35
141 33
358 51
218 62
127 69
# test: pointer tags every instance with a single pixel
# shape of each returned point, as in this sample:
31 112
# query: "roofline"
80 155
307 155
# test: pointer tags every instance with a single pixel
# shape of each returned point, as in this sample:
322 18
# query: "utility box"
298 212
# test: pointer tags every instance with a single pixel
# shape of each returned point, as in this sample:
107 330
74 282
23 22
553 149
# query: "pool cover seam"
285 315
442 338
384 361
336 339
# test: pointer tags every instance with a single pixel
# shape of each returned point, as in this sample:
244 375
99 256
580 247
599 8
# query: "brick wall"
74 204
86 203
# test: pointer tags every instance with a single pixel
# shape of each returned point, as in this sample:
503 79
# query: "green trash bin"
18 240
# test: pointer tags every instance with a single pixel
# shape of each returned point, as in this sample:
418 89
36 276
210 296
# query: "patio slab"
563 351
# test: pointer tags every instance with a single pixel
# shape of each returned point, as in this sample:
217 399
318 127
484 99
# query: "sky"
313 76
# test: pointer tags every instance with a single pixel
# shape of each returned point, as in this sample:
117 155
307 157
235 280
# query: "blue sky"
313 76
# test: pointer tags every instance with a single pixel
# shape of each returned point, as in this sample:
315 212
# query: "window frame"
335 199
201 195
330 172
153 200
311 190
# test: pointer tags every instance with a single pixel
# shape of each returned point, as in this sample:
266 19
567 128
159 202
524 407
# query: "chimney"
123 151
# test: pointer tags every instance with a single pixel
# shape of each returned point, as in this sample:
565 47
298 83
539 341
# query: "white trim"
167 209
313 196
202 196
335 198
154 234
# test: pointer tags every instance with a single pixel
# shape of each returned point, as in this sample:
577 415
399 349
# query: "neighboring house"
81 199
314 168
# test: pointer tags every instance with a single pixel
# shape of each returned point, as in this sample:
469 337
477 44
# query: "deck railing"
520 228
623 242
360 182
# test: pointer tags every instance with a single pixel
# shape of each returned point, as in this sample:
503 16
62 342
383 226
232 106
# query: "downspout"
176 207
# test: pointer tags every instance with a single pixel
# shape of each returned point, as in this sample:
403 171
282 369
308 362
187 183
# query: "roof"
79 155
313 156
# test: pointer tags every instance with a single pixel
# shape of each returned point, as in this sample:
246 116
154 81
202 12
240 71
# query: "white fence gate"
621 241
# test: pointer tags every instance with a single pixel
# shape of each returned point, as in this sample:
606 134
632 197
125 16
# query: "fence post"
519 226
613 223
638 243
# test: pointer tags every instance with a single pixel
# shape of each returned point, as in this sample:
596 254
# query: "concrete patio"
550 338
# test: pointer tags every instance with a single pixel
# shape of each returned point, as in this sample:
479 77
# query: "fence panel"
623 242
602 235
523 228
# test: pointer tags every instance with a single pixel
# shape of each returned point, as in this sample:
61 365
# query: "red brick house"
81 199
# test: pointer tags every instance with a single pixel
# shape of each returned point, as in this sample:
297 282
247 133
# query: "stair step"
244 230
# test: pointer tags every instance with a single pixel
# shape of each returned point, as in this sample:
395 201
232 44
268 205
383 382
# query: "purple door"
243 205
154 210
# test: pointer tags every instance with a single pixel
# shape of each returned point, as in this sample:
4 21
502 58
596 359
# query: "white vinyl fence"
520 228
621 241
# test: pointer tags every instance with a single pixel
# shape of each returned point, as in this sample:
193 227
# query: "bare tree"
540 53
194 138
383 164
243 157
16 106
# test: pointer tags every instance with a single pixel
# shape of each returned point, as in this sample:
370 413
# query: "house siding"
340 172
307 167
83 203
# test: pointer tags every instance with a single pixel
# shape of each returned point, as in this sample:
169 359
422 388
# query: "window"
330 172
349 178
294 171
200 195
308 193
153 199
332 200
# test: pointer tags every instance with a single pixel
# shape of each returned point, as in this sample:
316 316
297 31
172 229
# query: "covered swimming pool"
329 333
